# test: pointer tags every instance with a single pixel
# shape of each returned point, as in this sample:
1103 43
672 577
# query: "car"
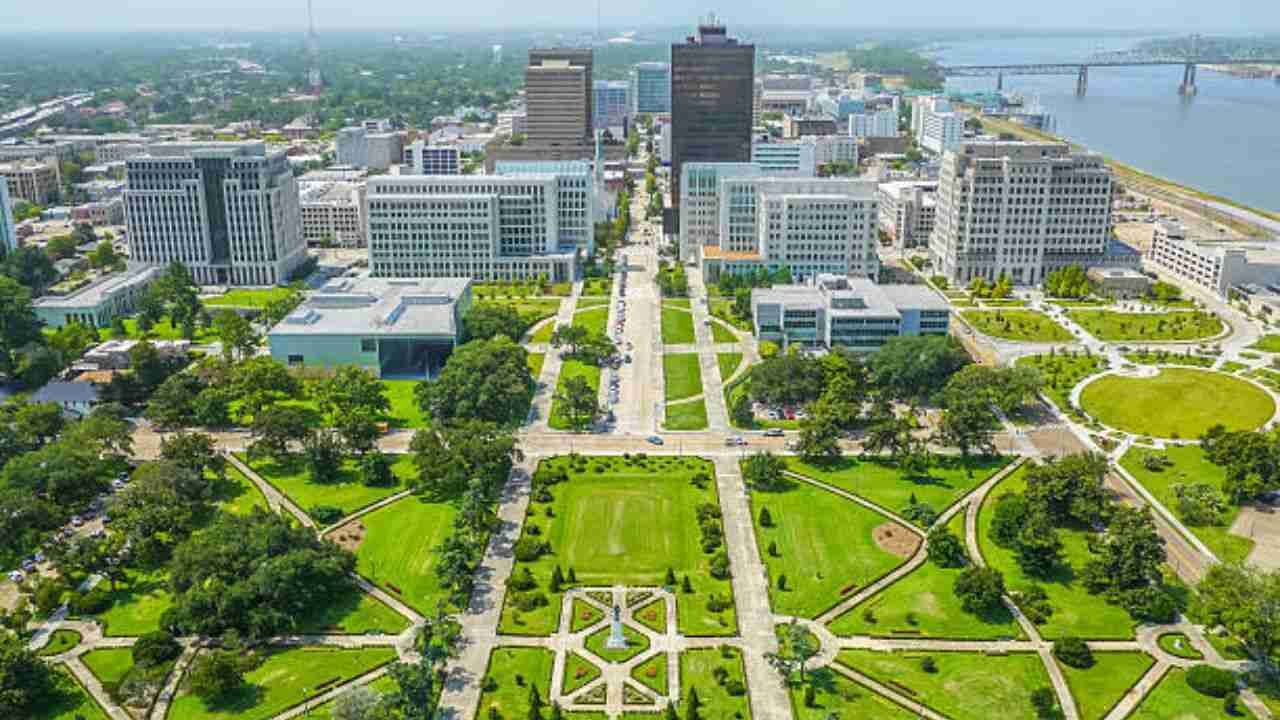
774 432
117 484
627 359
16 576
106 519
77 520
28 566
653 440
38 557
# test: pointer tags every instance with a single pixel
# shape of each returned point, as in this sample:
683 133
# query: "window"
368 345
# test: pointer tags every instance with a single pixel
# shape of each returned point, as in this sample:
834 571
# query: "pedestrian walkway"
540 412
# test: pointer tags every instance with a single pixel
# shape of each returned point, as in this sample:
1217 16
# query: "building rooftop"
58 391
852 296
367 306
335 193
92 295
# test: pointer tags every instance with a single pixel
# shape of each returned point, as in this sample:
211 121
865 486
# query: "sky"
1240 16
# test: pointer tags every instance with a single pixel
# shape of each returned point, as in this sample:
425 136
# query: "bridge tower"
999 81
1082 81
1188 86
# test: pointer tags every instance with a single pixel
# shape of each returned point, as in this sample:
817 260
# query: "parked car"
77 520
654 440
774 432
16 576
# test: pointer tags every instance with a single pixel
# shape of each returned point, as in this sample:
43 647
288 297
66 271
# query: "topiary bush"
1074 652
1211 681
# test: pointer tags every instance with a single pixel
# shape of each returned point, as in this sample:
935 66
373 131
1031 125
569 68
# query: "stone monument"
616 641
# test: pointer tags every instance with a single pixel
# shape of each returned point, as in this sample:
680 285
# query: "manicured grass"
636 643
924 604
597 287
677 326
1227 646
1232 367
825 547
249 298
535 361
653 616
405 412
723 309
881 482
683 375
399 550
584 616
1021 325
837 696
109 665
697 668
532 665
382 686
284 679
1076 611
1173 699
593 319
1098 688
1178 645
1190 466
652 673
1111 326
72 702
677 302
542 334
965 685
238 495
354 613
1267 343
578 671
137 604
729 363
690 415
721 333
572 368
1177 403
1164 357
60 641
620 521
1002 303
1063 371
292 478
163 330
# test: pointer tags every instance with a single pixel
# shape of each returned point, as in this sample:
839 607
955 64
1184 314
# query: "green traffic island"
517 683
660 513
584 615
637 643
60 641
729 364
397 549
133 677
1267 343
653 615
1179 645
67 700
578 673
677 324
1100 680
682 376
825 693
326 491
1018 325
1173 326
1156 405
686 415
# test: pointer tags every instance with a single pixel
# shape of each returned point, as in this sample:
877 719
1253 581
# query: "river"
1225 140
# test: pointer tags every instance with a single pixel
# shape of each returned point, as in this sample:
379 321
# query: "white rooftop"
412 307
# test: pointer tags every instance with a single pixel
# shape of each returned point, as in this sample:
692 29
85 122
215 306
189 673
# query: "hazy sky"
1220 15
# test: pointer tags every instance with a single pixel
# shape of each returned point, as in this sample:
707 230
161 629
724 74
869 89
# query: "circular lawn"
1176 403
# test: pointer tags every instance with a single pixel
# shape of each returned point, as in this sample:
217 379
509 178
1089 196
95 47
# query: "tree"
375 470
357 703
25 680
149 367
1069 489
795 648
819 439
1006 388
1039 548
105 256
236 334
214 675
260 381
72 340
1246 601
322 450
414 696
159 508
485 380
980 589
1128 556
1045 703
578 403
349 390
916 366
275 429
30 267
448 458
1007 521
764 471
172 405
1074 652
61 247
945 549
1068 282
19 326
1199 503
967 425
485 322
570 335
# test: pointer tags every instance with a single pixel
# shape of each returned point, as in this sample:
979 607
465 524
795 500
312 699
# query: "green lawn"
238 495
60 641
109 665
137 604
837 696
683 302
284 679
1100 687
593 319
1190 466
620 521
249 298
354 613
677 326
405 412
965 685
535 361
825 547
637 643
924 604
729 363
697 668
652 673
398 550
1111 326
512 670
163 330
1177 403
1178 645
721 333
578 671
1173 699
597 287
1076 611
723 309
71 703
1267 343
690 415
1164 357
1063 371
542 334
292 478
572 368
683 375
1021 325
383 686
881 482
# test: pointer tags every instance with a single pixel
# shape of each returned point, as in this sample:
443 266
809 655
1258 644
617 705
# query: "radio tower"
313 53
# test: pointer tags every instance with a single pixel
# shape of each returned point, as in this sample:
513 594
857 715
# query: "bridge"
1081 70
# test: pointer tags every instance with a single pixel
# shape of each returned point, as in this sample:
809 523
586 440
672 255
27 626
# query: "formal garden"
1017 325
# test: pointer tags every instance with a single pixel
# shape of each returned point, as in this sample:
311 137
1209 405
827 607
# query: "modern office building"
1215 266
31 181
785 158
883 123
359 148
421 158
712 78
512 123
907 212
332 214
99 302
922 107
611 106
396 328
576 196
834 149
228 211
8 232
942 132
558 97
851 312
1021 208
118 152
699 204
797 126
651 88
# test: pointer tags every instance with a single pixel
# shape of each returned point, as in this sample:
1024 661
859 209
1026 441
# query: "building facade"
33 182
651 88
100 212
100 302
1019 208
1215 266
611 104
332 214
942 132
784 159
359 148
228 211
118 152
835 149
8 231
850 312
558 97
907 212
421 158
798 126
883 123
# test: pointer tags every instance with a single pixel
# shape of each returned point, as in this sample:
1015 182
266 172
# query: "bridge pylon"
1082 81
1188 86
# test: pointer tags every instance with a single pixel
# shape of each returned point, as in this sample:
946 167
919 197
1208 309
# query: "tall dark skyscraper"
712 79
557 85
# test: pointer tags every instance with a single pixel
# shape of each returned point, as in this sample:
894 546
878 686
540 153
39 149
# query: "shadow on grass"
237 702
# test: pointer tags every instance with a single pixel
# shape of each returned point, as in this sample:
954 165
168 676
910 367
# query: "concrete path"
712 383
389 500
276 500
540 412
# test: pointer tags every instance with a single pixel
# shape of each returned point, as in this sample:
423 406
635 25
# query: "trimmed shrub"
1074 652
1211 681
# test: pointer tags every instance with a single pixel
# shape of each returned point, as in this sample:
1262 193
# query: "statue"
616 641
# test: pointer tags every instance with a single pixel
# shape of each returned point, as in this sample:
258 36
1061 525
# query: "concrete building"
922 107
1119 282
118 152
739 220
33 182
332 213
8 230
851 312
486 227
834 149
883 123
100 212
100 302
393 328
228 211
577 198
421 158
797 126
357 147
712 78
1021 208
558 97
907 212
865 83
787 102
1218 267
785 159
611 104
512 123
664 143
651 88
942 132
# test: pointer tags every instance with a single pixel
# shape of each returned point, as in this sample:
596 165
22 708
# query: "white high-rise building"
358 147
228 211
786 158
1020 208
942 132
907 212
8 233
883 123
421 158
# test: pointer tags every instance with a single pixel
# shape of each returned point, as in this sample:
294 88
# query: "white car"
16 576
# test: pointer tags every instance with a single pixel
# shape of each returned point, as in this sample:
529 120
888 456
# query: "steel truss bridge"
1081 70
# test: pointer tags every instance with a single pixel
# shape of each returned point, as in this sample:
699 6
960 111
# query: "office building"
8 231
851 312
99 302
576 198
512 123
1217 266
1019 208
786 158
421 158
712 78
942 132
100 212
117 152
699 204
797 126
558 97
907 212
922 106
830 149
357 147
228 211
332 213
883 123
30 181
403 328
864 83
611 106
651 88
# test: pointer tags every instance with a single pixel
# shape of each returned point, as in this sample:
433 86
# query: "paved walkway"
712 383
276 500
540 412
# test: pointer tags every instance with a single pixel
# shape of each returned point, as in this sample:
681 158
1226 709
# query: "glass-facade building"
651 88
610 105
